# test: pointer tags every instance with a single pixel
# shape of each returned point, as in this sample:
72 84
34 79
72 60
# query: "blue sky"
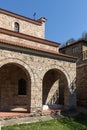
65 18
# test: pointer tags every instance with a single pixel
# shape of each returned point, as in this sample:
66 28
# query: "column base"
35 109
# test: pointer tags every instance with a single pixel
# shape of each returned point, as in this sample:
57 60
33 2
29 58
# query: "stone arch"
19 62
59 68
17 69
56 87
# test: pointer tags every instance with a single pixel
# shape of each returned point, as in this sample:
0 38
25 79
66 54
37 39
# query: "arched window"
16 27
22 87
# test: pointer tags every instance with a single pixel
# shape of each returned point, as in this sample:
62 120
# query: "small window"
75 50
22 87
63 51
16 27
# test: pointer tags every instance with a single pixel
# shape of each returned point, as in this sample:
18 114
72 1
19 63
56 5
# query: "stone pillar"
70 101
70 98
36 96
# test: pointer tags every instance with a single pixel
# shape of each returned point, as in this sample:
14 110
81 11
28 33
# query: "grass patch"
67 123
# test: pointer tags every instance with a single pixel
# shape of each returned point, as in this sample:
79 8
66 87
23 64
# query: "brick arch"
20 63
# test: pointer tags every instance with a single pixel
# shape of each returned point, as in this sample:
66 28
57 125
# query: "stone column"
70 98
36 96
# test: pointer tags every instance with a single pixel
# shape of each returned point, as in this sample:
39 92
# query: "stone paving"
12 118
19 117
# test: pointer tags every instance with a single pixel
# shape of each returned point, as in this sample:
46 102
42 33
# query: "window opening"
22 87
16 27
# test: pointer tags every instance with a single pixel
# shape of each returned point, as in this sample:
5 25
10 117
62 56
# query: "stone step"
19 108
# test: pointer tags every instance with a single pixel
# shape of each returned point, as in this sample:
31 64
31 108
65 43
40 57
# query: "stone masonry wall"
82 85
37 67
10 74
29 43
28 28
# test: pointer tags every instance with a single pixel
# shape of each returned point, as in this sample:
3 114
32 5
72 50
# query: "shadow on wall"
71 110
56 92
12 94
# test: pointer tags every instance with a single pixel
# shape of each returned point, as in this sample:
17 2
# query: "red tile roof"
76 42
36 49
28 37
38 22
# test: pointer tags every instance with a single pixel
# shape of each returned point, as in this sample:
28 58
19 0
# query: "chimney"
42 19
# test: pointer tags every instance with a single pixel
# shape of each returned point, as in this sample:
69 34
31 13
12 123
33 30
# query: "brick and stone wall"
30 43
27 55
33 68
29 28
82 85
10 74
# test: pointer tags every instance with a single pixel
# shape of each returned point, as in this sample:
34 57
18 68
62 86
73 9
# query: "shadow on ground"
71 119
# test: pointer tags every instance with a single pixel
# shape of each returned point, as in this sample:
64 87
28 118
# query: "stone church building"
32 71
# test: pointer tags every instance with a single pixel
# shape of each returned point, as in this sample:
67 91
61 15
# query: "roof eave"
28 37
9 13
77 42
55 54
